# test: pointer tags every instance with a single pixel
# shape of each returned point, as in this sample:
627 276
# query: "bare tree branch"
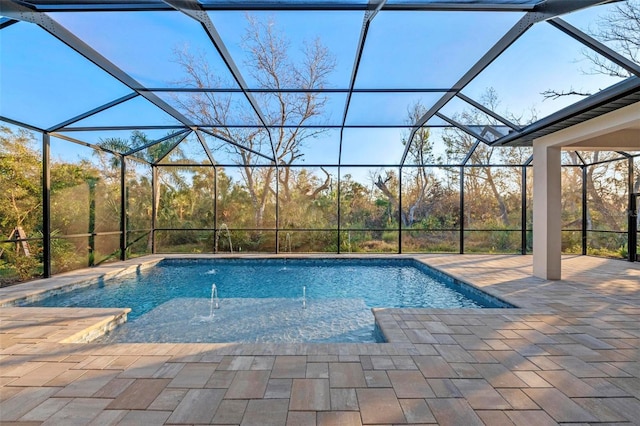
553 94
269 64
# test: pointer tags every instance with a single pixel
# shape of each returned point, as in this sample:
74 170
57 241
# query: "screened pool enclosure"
290 126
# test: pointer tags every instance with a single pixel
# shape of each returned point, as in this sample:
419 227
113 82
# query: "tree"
620 29
419 181
20 180
485 180
271 66
111 163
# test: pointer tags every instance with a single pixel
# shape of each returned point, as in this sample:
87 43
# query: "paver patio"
569 354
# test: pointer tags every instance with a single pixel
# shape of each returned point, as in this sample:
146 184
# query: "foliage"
20 177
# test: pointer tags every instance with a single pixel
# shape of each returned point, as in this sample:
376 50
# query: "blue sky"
43 82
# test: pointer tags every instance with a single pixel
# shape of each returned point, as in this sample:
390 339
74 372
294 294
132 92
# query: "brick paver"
569 354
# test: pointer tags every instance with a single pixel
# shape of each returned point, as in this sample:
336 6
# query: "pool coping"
386 319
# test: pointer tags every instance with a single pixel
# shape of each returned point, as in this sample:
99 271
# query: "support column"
547 212
123 208
46 205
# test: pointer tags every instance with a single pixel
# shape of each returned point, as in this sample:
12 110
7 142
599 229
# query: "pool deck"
569 354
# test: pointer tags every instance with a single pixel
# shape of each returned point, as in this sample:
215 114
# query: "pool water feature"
269 300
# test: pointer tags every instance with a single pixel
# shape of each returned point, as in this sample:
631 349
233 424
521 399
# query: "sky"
43 82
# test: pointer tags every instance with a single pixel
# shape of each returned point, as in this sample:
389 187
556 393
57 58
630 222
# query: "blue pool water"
261 300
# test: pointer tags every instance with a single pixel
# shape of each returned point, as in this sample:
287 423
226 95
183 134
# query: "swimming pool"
269 300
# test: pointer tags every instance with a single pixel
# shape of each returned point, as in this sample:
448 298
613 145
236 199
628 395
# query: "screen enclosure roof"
358 81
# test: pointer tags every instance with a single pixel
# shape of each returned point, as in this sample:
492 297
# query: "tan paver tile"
480 394
263 363
482 357
534 336
404 362
194 375
266 412
531 418
301 418
108 418
379 406
310 395
87 384
416 411
65 378
339 418
43 374
436 327
604 387
122 362
114 388
611 370
168 399
494 417
80 411
365 362
544 363
144 367
591 342
629 408
377 379
139 395
249 384
578 367
45 410
221 379
453 412
346 375
230 412
197 406
238 363
419 336
499 376
518 399
497 344
317 370
382 363
21 367
344 399
289 367
575 350
532 379
465 370
471 342
568 384
426 349
559 406
96 362
603 409
444 388
454 353
170 370
137 418
278 388
513 361
7 392
434 367
410 384
443 339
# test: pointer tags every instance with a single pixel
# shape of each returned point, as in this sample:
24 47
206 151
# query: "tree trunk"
504 212
382 186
